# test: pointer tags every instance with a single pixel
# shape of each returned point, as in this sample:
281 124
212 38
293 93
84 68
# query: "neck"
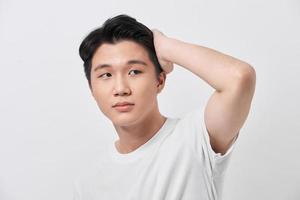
132 137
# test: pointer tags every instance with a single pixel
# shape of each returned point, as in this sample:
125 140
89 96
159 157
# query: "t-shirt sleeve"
199 140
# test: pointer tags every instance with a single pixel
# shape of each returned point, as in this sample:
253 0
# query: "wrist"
166 48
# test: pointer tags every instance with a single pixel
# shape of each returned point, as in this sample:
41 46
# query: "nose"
121 87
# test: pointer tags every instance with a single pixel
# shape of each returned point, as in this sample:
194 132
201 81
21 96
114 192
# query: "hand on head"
159 39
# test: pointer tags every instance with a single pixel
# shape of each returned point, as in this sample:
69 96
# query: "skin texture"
122 82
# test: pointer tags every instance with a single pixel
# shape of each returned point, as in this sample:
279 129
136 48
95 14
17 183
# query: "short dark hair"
119 28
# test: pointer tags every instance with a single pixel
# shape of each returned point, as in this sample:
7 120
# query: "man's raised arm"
233 80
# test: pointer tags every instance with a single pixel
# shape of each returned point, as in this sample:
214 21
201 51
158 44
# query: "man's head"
121 65
114 30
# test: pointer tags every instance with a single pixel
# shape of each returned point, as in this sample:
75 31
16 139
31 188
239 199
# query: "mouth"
124 108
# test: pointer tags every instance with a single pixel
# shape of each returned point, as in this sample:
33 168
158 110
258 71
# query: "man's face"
123 72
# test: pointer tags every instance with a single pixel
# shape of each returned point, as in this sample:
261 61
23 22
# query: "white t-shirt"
177 163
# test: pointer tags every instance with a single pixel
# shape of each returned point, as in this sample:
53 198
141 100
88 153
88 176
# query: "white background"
51 129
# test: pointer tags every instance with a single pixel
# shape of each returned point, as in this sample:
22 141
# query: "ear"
161 82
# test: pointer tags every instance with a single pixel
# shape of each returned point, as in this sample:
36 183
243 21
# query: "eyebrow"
130 62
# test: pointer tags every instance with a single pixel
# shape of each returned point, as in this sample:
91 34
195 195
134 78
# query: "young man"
158 157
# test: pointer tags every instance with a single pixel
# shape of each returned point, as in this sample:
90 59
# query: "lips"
123 107
124 103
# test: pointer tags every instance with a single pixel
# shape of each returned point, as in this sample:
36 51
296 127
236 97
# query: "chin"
124 119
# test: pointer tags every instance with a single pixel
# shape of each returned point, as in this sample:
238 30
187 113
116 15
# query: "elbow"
247 74
247 77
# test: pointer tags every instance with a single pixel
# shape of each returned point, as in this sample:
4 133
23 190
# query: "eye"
136 71
103 75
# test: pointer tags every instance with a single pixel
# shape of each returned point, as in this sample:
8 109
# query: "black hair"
116 29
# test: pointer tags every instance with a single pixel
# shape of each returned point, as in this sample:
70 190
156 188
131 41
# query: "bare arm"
233 80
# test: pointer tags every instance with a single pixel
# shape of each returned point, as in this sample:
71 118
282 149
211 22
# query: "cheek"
145 90
101 96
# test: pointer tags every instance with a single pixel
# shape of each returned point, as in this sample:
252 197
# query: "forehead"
119 53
